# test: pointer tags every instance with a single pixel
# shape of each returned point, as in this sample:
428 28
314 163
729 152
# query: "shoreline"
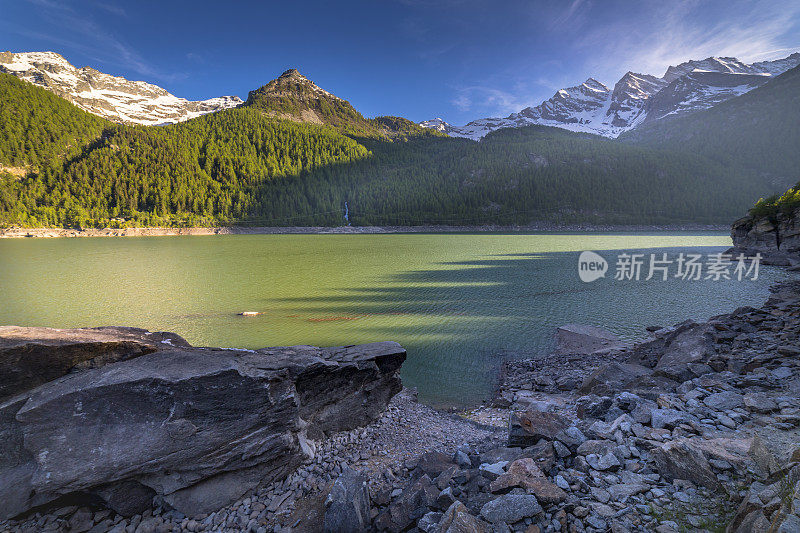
623 451
14 232
625 443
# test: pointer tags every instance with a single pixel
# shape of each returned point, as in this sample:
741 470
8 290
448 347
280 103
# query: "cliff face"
776 237
124 415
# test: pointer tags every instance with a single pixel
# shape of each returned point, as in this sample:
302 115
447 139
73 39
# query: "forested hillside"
253 165
86 171
294 97
37 125
758 131
515 176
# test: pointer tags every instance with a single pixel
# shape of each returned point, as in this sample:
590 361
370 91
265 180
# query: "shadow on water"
460 304
460 321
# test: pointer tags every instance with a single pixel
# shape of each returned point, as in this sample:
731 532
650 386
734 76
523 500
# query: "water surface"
459 303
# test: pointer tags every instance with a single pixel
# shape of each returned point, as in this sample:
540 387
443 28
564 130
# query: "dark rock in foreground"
348 506
33 356
139 413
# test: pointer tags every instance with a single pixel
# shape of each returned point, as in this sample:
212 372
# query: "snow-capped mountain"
636 98
112 97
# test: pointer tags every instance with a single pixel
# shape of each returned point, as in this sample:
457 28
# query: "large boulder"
347 505
526 428
776 238
197 426
680 459
616 377
525 474
32 356
583 340
673 351
511 508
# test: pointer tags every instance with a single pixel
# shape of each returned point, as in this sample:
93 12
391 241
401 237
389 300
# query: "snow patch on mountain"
112 97
592 107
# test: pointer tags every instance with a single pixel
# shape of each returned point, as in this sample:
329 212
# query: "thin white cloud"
93 40
490 100
572 17
114 9
660 35
675 32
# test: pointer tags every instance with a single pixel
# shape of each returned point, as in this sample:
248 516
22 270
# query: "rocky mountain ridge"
112 97
592 107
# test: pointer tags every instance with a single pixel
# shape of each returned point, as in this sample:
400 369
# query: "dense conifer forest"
61 166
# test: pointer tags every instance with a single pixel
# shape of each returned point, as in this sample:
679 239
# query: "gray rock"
429 521
347 505
668 418
607 461
680 460
583 340
622 491
592 406
689 343
198 426
526 428
446 498
457 519
30 357
724 401
494 470
616 377
763 457
790 524
755 522
81 521
596 447
782 372
759 402
462 459
434 463
572 437
126 498
413 503
511 508
561 449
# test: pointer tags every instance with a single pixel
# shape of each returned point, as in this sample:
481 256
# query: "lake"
459 303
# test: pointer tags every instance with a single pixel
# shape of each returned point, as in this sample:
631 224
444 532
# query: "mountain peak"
594 84
292 73
112 97
636 98
292 85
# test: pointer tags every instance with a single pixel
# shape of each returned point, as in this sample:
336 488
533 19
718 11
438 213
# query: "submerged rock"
583 339
197 426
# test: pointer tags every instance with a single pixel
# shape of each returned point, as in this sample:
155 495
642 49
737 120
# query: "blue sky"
458 59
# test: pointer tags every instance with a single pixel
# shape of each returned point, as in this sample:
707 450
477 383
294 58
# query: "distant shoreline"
11 233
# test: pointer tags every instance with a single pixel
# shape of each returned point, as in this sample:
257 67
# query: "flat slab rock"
584 339
33 356
127 413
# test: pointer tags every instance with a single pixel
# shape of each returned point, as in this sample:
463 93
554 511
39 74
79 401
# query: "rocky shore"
695 429
16 232
775 237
